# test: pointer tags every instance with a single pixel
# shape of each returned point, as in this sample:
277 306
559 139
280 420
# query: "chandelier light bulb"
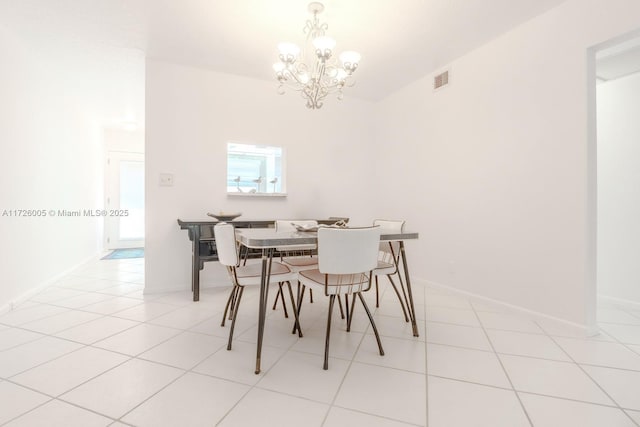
324 46
350 60
340 75
288 52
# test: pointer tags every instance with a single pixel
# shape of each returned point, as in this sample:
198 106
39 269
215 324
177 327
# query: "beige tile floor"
93 350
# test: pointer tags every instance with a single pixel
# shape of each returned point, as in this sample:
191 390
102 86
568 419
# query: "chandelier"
322 75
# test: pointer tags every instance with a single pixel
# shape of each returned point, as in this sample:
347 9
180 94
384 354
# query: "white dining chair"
346 260
388 259
249 274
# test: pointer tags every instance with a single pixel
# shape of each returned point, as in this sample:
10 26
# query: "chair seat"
251 274
384 268
297 248
339 284
301 262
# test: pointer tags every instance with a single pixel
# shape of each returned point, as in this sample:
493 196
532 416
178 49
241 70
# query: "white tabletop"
259 238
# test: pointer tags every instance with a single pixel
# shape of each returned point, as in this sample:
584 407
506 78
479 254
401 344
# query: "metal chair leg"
346 309
353 306
332 299
228 305
311 296
275 300
280 295
245 256
295 311
235 316
373 324
405 304
403 289
377 294
395 288
341 309
300 299
233 303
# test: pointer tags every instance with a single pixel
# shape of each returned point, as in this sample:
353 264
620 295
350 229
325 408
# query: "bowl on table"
224 216
305 227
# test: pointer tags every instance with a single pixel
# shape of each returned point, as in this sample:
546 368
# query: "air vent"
441 80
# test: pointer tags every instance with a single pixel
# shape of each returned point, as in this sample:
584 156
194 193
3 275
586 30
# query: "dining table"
267 240
203 242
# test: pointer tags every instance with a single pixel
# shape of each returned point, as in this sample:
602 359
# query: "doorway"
615 106
124 219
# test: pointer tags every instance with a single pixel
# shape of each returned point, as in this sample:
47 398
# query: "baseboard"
587 330
15 302
620 301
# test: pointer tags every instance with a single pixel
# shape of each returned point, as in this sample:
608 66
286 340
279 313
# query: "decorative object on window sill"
237 181
315 79
257 182
274 181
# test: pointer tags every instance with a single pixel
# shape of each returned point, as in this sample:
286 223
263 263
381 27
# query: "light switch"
166 179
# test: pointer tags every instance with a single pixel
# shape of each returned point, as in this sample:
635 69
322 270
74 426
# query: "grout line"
626 345
48 360
612 405
365 333
263 371
288 350
426 358
30 410
59 400
382 417
526 413
591 378
185 371
346 372
58 397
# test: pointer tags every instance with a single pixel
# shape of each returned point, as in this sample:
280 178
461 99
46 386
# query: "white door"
124 220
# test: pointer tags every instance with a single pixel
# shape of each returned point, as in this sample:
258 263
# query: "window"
255 169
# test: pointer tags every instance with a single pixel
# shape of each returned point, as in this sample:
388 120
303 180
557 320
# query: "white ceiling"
400 40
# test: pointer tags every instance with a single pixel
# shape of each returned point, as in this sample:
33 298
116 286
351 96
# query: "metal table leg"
196 264
267 257
412 310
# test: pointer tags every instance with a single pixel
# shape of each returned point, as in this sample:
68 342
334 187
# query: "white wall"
191 113
128 141
50 159
619 188
499 163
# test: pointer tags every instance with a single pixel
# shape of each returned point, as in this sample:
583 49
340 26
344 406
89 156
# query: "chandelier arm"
295 77
318 83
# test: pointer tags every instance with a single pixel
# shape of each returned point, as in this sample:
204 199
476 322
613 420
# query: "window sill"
256 194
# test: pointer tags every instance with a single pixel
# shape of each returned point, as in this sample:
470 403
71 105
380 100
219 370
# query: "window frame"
257 151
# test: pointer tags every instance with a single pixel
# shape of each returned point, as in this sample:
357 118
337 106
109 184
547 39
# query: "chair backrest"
389 226
348 250
290 224
225 236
